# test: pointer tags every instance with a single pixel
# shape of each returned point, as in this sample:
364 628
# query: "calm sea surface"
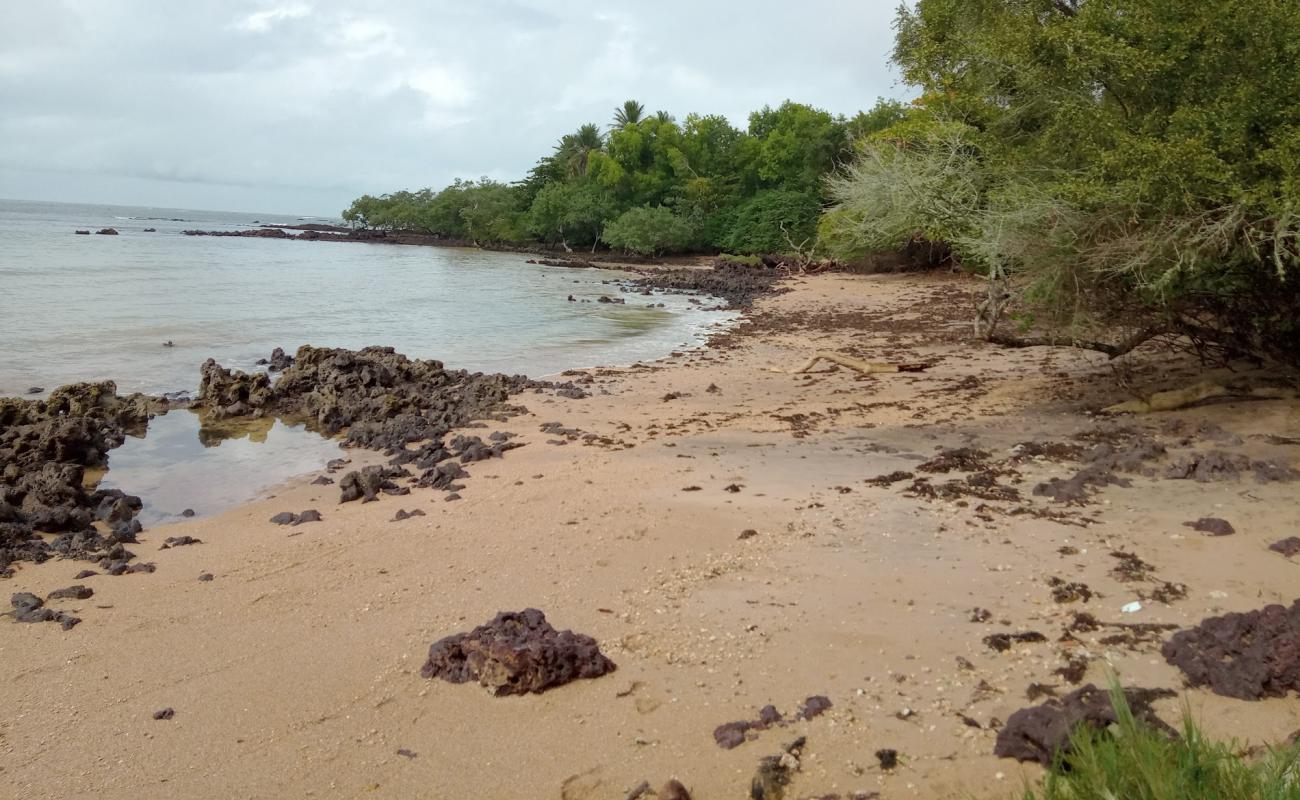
76 308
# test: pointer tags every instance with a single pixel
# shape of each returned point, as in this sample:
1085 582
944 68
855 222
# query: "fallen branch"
1181 398
855 364
1111 350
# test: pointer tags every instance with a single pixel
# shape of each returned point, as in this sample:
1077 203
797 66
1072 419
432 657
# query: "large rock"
45 447
516 653
379 399
1247 656
1042 732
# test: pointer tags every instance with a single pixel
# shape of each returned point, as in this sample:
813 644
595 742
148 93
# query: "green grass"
1133 762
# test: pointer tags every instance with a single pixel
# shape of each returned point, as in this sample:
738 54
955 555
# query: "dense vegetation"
1134 762
1115 168
649 184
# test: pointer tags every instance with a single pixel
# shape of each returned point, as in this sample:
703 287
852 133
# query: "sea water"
98 307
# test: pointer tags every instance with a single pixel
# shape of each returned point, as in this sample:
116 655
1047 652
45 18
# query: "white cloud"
262 21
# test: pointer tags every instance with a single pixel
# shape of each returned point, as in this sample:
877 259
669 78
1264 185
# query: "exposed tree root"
855 364
1181 398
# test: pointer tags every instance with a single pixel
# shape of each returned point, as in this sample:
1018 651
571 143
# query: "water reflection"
186 462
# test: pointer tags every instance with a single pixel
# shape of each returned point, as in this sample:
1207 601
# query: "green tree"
649 231
795 146
571 213
775 221
1138 164
630 113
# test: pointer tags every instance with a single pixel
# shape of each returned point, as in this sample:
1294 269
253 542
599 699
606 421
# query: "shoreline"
300 659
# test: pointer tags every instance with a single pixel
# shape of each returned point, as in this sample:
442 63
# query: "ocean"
77 308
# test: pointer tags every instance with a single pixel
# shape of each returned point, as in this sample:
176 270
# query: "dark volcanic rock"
1288 547
381 400
279 361
164 714
284 518
106 232
366 483
737 284
516 653
1040 732
45 447
1247 656
310 515
77 592
179 541
1213 526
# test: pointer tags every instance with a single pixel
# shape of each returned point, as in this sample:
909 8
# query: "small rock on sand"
1212 526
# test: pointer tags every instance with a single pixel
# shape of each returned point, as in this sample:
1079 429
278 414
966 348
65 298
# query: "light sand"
296 671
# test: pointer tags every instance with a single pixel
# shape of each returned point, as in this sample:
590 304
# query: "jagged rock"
77 592
1246 656
366 483
179 541
1213 526
1041 732
107 232
1288 547
516 653
45 446
279 361
310 515
736 284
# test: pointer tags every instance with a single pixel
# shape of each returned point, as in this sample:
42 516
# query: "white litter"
1132 608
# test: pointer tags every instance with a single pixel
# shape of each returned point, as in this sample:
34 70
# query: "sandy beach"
721 538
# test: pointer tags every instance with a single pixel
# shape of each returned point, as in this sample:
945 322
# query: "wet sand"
295 671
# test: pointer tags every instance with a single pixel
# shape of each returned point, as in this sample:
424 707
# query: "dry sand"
295 673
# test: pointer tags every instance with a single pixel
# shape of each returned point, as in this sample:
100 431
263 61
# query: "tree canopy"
1106 163
700 184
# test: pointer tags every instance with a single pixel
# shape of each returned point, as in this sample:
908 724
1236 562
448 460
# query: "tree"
775 221
795 146
571 213
649 231
630 113
574 150
1138 163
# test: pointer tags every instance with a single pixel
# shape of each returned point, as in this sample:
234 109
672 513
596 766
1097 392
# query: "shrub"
771 221
649 231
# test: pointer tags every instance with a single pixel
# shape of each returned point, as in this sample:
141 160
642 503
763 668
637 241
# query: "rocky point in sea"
46 446
379 399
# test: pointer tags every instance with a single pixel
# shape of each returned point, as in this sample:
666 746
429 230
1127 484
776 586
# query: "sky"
299 106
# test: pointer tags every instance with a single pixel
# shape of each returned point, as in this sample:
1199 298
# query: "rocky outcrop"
45 448
738 285
1247 656
516 653
380 400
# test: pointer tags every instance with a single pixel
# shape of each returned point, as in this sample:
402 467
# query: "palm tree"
664 117
630 113
575 149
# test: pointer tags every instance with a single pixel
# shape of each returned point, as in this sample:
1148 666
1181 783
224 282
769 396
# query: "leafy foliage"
1119 163
649 231
700 183
773 221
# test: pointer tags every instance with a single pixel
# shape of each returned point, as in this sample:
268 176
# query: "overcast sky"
297 106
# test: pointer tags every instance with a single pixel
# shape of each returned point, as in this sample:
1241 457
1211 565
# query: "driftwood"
855 364
1181 398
